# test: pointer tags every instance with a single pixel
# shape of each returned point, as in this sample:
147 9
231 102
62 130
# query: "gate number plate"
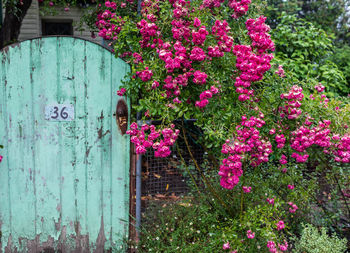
57 112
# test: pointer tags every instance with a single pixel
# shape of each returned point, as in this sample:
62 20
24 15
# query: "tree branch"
14 15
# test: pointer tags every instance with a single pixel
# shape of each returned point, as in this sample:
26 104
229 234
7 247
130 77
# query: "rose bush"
274 140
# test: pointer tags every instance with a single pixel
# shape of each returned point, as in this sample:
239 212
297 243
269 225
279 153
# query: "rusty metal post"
132 225
138 194
139 6
138 183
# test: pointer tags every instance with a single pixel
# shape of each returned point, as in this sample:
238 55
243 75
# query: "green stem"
187 169
342 193
337 181
210 156
242 199
210 187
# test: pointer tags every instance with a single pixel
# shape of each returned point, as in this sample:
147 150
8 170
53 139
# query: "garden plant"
276 144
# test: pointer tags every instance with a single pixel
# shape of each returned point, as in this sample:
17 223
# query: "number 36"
62 113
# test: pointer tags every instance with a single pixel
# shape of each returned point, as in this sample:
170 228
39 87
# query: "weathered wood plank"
120 174
48 141
81 145
67 95
106 151
5 207
97 91
20 141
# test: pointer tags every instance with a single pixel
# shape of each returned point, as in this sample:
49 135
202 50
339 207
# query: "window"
85 3
54 27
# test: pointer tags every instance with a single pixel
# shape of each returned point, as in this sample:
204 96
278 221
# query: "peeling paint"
58 224
30 174
59 207
101 239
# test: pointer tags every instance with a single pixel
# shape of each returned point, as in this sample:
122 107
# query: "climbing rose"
196 22
320 88
246 189
292 104
197 54
240 7
250 234
280 71
145 75
121 92
283 247
246 141
199 77
291 187
280 225
270 201
226 245
271 245
148 136
293 207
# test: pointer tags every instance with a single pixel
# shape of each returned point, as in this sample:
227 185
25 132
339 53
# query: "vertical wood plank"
106 151
19 145
79 73
66 94
120 161
98 135
5 208
48 141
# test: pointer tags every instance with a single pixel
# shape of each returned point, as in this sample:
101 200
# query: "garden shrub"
314 241
181 226
278 148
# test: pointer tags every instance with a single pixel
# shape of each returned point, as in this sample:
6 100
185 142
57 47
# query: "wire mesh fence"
168 176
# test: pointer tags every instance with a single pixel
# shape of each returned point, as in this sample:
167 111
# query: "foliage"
331 16
184 225
341 59
200 224
305 50
275 8
314 241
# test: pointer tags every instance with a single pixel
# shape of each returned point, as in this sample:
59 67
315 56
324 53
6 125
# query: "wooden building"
63 23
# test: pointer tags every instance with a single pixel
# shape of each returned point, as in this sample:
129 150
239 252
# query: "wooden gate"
64 180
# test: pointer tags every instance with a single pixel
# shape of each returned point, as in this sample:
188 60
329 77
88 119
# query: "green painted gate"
64 180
